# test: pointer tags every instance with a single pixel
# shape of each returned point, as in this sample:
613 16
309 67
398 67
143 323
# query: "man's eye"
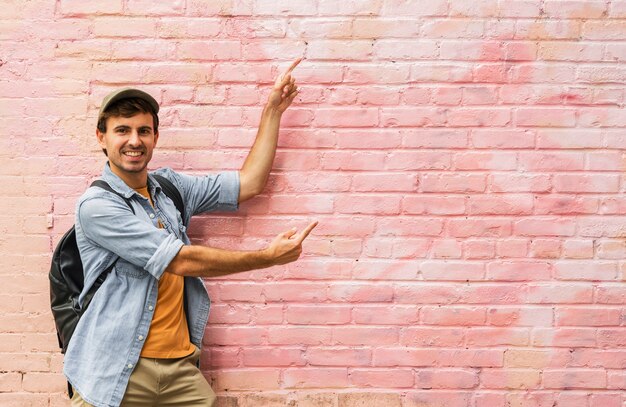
122 131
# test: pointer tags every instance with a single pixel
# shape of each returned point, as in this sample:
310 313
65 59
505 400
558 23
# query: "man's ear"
156 138
100 137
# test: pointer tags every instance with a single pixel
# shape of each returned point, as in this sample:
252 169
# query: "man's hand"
285 90
287 246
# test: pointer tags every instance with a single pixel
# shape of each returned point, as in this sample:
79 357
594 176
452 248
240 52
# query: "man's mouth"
133 153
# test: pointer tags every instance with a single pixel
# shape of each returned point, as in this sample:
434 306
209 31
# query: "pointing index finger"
293 66
306 232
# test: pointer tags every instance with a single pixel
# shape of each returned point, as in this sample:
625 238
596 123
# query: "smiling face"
129 142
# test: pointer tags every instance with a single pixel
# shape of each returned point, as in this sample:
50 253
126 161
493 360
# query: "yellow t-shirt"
168 337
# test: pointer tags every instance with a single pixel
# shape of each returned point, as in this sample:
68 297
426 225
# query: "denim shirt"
108 339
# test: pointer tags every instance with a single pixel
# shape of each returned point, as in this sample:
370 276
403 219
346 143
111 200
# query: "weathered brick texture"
464 158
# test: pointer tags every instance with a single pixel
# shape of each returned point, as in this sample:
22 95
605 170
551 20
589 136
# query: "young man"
139 341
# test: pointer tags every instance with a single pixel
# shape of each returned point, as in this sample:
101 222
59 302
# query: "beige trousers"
164 382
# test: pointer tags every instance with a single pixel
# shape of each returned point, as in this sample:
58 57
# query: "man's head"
127 102
127 130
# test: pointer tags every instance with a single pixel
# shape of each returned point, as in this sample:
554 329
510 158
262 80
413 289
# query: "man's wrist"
272 111
266 257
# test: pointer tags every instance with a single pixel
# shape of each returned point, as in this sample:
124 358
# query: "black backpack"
66 271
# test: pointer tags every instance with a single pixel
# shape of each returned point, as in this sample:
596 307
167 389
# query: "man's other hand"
285 89
287 246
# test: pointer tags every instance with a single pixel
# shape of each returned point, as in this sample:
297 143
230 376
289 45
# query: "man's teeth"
133 153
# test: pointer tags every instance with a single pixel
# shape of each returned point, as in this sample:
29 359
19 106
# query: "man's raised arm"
256 168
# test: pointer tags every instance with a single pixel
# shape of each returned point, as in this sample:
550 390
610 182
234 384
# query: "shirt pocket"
125 268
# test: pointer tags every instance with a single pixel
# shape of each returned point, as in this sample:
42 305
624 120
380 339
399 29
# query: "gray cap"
126 93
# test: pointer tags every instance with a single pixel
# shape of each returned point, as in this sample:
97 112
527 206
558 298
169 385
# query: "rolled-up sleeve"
111 225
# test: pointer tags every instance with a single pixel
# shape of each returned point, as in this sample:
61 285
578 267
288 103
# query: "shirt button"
150 307
152 216
140 337
130 366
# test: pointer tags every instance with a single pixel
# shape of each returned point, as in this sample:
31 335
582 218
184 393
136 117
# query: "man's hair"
127 108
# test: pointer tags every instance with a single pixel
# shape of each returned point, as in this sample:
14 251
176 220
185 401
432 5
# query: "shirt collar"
122 188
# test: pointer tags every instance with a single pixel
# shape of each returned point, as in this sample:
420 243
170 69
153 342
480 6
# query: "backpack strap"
104 185
173 193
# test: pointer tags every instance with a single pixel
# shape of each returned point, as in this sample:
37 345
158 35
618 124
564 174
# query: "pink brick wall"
465 160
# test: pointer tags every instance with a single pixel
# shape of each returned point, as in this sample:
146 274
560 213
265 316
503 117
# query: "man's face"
129 142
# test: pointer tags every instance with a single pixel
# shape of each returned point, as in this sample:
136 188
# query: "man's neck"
132 179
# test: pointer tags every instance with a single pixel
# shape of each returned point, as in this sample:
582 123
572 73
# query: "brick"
459 316
489 400
510 379
403 49
482 8
471 358
247 379
477 249
479 228
544 227
434 205
452 29
339 50
396 378
417 160
581 270
364 399
317 399
437 399
503 139
478 294
327 315
497 336
564 337
339 357
314 378
528 316
611 337
545 248
574 379
536 359
485 161
547 29
44 382
386 182
587 317
291 291
569 51
425 293
594 227
576 249
556 293
457 183
451 270
446 249
599 74
295 335
518 271
432 337
563 204
270 357
23 399
347 336
603 29
500 204
236 335
79 8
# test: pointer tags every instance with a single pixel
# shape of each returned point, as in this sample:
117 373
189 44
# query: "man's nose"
134 139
